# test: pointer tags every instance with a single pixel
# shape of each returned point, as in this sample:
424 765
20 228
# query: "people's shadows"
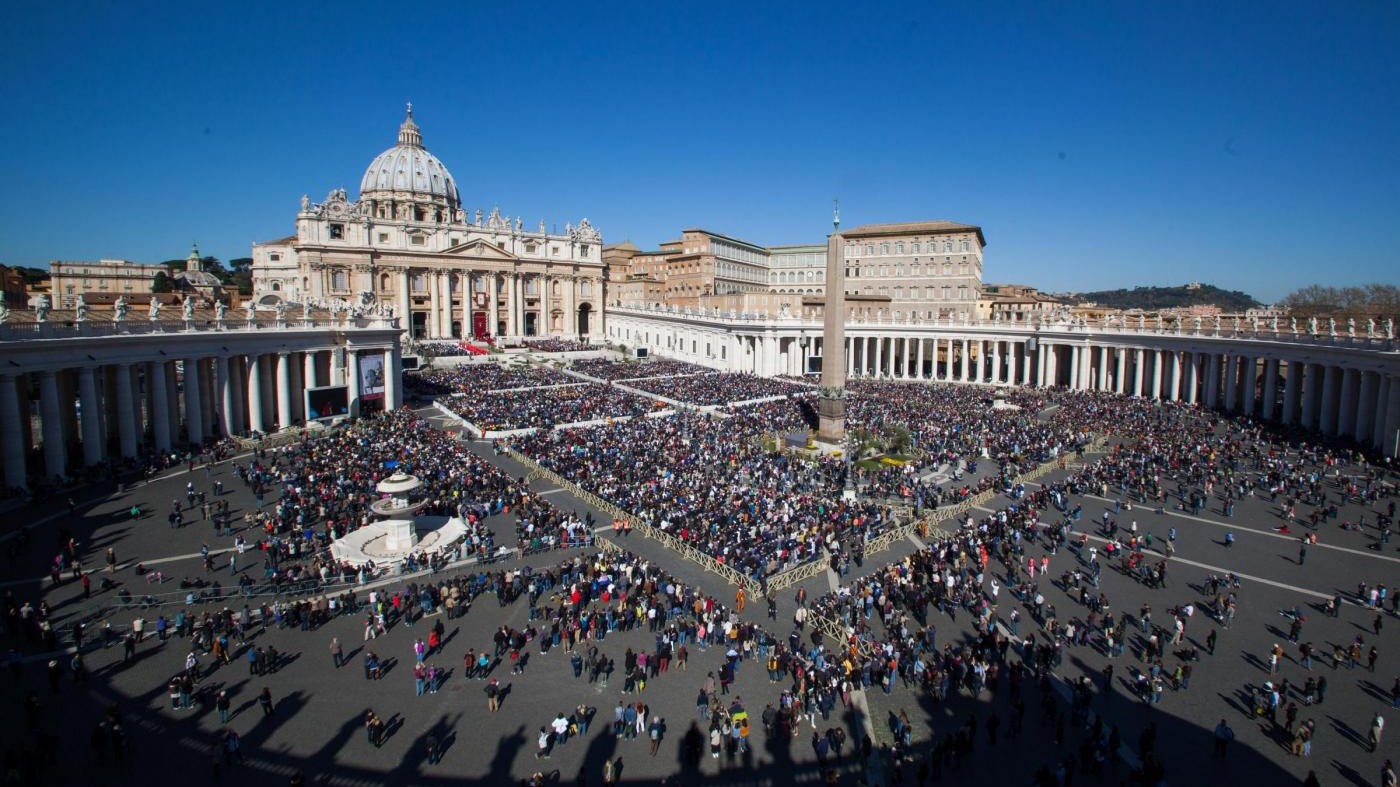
386 665
282 710
502 693
392 725
601 748
1346 731
691 749
506 750
417 757
350 655
1375 691
1350 774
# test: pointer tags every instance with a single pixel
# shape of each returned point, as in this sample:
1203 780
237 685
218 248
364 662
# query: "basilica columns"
194 407
158 383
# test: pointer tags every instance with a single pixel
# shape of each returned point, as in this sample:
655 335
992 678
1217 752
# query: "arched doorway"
532 320
420 325
585 311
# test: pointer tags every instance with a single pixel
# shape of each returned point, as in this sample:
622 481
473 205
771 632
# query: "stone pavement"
316 727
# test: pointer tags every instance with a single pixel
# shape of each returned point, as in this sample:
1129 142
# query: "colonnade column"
1139 364
194 407
93 447
851 356
1365 407
1383 386
1327 417
879 357
254 391
966 351
1390 436
1192 359
1212 395
392 369
1157 364
284 390
127 417
1103 384
1270 388
1232 371
1120 370
223 384
11 434
1312 385
1346 409
919 360
160 408
1245 392
996 361
1074 365
1011 376
1292 377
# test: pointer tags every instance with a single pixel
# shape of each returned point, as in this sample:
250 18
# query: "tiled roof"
912 228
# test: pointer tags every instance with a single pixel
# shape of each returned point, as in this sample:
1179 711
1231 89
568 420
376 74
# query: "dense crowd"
604 369
543 408
708 482
442 349
315 491
486 376
722 388
554 345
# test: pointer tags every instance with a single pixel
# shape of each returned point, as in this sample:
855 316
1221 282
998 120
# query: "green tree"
162 283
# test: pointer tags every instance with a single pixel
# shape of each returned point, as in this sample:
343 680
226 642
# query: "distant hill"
1153 298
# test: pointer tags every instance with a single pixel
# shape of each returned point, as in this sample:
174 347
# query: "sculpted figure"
120 308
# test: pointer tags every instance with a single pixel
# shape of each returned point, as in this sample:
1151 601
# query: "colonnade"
115 398
1344 386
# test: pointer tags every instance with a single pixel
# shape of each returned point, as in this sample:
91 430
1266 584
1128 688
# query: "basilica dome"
408 170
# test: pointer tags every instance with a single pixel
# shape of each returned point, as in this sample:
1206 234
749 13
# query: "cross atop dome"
408 132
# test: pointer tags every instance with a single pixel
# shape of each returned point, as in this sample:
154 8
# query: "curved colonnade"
1342 385
160 386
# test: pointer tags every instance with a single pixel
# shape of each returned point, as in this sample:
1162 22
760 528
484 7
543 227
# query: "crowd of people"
543 408
556 345
317 490
612 371
720 388
486 376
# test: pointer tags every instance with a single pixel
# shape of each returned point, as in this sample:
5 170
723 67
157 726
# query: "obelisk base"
831 416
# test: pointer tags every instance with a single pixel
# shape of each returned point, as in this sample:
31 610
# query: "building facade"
408 244
104 279
926 270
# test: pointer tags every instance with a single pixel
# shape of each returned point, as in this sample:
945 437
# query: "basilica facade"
407 245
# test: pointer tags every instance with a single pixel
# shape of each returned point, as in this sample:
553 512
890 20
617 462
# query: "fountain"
399 533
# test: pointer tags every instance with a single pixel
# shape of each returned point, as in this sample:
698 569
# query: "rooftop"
914 227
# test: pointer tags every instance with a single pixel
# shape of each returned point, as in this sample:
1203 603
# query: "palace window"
964 246
531 287
947 245
899 247
337 232
586 289
274 256
383 237
884 248
420 282
340 280
583 250
914 247
417 240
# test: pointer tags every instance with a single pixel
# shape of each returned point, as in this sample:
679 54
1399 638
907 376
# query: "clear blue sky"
1254 145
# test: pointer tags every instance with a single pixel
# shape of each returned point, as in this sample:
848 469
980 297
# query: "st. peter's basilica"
408 246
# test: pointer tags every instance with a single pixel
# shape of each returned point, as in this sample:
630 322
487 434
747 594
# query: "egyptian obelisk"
831 407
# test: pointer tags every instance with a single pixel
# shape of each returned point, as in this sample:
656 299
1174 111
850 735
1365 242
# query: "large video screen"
327 401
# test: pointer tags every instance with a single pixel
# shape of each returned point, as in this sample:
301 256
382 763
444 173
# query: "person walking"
337 652
1377 727
265 700
493 695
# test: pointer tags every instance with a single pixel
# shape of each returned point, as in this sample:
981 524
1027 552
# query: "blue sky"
1251 145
